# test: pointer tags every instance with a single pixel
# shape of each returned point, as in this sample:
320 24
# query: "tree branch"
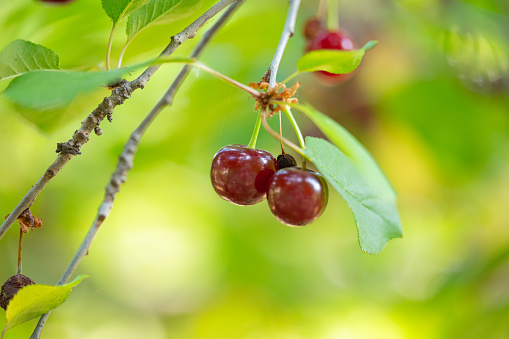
285 36
125 161
105 109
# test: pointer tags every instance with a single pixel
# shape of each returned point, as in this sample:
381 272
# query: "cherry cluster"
319 37
246 176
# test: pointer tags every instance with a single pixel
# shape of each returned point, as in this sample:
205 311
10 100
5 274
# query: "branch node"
66 148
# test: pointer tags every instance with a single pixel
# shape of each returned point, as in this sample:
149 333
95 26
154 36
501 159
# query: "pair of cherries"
245 176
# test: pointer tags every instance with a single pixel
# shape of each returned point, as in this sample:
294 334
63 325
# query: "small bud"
98 130
11 287
286 160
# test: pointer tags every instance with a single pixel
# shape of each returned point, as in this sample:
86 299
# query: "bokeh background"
173 260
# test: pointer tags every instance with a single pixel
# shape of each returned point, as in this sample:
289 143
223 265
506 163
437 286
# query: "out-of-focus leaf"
375 215
119 9
158 12
21 56
333 61
33 301
43 90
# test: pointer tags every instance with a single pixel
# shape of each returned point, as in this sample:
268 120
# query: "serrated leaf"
21 56
33 301
158 12
119 9
339 136
333 61
43 90
375 215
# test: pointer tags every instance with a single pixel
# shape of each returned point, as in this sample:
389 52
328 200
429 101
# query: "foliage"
429 103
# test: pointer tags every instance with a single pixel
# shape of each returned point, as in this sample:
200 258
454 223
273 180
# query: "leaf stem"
121 56
291 77
285 36
254 136
110 43
223 77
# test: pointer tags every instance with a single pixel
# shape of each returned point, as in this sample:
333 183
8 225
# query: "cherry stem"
321 13
19 250
332 15
296 128
278 137
254 136
281 134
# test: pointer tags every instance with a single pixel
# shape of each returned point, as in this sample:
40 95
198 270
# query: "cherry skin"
242 175
338 40
297 197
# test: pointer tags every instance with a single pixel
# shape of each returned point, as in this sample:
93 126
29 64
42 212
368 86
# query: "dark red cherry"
339 40
297 197
11 287
242 175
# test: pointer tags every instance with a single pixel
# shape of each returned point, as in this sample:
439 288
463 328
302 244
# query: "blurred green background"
173 260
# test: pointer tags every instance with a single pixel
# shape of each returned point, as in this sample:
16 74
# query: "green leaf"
375 215
43 90
333 61
21 56
339 136
50 90
119 9
33 301
158 12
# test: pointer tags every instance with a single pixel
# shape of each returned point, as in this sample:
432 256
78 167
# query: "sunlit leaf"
339 136
333 61
21 56
158 12
119 9
375 215
33 301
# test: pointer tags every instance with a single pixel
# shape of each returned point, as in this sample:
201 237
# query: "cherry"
242 175
297 197
11 287
325 39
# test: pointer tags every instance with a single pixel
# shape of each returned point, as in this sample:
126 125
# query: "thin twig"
20 243
125 161
285 36
105 109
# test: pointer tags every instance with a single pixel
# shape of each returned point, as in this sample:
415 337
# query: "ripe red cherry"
297 197
338 40
242 175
